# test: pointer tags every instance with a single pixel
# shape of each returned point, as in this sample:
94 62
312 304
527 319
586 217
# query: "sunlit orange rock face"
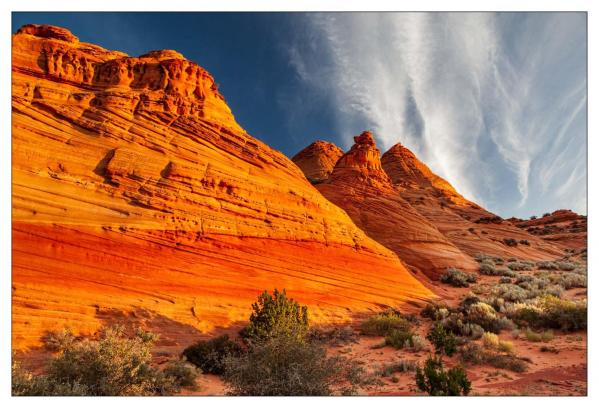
318 160
360 186
466 224
135 188
563 228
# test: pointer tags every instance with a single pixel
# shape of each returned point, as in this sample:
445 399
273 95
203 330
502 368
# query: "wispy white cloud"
490 101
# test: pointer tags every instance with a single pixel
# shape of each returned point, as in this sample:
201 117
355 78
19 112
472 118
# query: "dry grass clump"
543 336
475 354
383 323
550 312
490 340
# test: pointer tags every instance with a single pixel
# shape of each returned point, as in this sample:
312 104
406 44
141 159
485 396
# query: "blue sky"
494 102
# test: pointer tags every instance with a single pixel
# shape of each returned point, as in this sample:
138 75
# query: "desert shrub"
474 354
510 242
209 355
401 366
510 292
524 242
505 279
285 365
336 336
566 315
506 346
383 323
435 311
484 316
548 265
110 365
418 343
566 266
458 278
487 269
434 380
399 339
183 373
444 341
568 280
276 315
490 340
58 340
519 266
538 336
549 349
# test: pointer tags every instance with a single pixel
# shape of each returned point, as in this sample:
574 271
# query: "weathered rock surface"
133 187
360 186
563 228
318 160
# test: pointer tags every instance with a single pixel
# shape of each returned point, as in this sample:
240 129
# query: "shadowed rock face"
360 186
135 188
318 160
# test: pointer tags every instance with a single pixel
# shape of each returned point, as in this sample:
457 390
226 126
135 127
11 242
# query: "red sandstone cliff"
135 188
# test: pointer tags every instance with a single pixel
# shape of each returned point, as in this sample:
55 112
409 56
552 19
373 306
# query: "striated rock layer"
135 188
467 225
318 160
360 186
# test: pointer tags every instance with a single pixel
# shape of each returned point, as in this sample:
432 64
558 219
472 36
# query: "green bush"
444 341
458 278
399 339
276 315
112 365
183 373
434 380
285 365
210 355
383 323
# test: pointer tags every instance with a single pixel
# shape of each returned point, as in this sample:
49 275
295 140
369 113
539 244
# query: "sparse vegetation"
285 365
111 365
474 354
458 278
210 355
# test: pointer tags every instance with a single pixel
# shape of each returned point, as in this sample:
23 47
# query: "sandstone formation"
134 188
360 186
563 228
467 225
318 160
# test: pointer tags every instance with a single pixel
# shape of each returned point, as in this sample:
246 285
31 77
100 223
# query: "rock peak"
48 31
365 138
318 160
161 55
363 161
